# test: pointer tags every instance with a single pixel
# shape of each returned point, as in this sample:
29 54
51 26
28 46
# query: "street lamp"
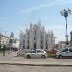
66 13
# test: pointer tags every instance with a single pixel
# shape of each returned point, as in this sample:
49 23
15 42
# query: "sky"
16 15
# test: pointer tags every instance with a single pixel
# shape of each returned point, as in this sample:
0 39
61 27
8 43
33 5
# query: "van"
65 52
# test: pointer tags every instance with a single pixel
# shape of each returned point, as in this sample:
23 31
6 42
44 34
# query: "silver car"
36 54
65 52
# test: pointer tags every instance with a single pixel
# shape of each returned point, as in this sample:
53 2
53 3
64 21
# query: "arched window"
28 41
41 47
41 41
46 47
46 41
34 46
27 47
34 38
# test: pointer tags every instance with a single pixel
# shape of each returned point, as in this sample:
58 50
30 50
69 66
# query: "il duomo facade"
36 37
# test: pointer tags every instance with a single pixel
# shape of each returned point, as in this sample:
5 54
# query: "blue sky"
16 15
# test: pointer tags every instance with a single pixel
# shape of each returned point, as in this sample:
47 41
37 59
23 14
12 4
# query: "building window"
34 46
41 41
46 41
27 47
46 47
41 47
28 41
34 38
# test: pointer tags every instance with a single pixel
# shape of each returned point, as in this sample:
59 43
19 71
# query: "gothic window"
27 47
28 41
34 38
41 41
46 47
41 47
34 46
46 41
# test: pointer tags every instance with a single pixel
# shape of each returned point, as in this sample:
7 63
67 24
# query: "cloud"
35 8
38 7
41 6
64 1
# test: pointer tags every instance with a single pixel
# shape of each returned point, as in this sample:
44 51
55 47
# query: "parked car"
65 52
36 54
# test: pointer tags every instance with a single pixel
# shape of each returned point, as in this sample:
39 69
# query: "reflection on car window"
64 50
38 51
70 50
33 51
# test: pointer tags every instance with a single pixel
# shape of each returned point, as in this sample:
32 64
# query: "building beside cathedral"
37 38
71 39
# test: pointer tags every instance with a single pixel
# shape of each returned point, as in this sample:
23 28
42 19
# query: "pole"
0 38
65 13
66 32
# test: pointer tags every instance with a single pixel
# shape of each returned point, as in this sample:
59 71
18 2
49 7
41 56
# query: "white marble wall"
39 31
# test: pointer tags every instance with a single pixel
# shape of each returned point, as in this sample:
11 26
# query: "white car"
65 52
36 54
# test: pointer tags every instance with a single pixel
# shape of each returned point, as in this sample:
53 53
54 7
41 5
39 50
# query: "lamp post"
66 13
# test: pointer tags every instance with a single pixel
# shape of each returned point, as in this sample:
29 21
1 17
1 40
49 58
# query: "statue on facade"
11 38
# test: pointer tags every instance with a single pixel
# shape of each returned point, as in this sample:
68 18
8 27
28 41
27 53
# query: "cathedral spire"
39 21
30 25
20 31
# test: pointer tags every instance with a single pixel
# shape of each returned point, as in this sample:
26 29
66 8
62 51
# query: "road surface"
15 68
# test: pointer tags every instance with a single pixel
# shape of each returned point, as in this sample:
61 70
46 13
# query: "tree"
3 49
0 47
